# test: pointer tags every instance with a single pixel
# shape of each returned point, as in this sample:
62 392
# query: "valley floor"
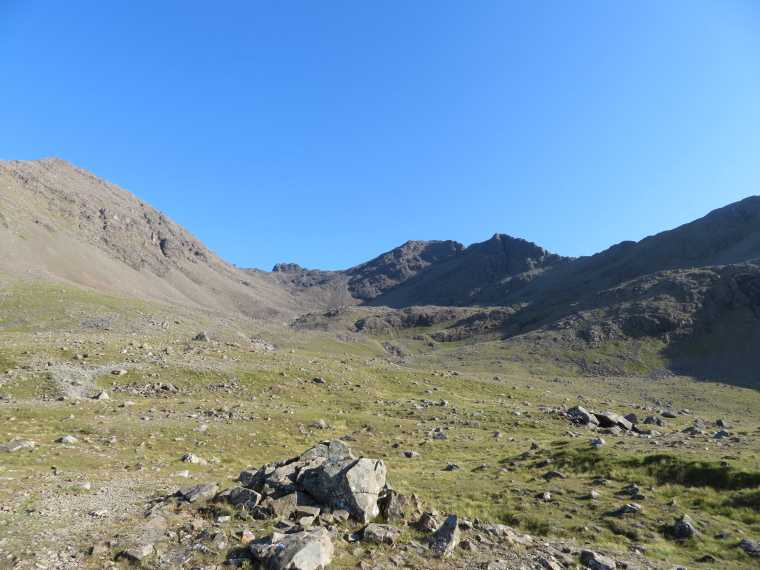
469 436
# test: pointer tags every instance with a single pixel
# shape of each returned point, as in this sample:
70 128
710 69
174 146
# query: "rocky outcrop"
328 475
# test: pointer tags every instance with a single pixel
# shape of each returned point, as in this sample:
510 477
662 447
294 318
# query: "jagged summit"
59 223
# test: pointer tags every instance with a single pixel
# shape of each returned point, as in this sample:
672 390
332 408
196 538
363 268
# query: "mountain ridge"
63 224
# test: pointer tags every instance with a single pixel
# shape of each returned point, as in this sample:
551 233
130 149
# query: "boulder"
139 554
428 523
751 547
685 528
70 439
328 474
596 561
549 475
580 416
444 540
16 445
350 485
192 458
307 550
626 509
199 492
609 419
381 533
243 498
391 505
655 420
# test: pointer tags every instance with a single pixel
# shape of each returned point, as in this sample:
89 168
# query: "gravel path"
61 523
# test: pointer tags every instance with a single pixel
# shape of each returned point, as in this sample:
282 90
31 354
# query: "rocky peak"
288 268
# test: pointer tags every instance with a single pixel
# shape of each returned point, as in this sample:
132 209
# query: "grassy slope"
274 403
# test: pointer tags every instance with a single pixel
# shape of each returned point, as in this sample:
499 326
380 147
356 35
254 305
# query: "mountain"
443 273
690 288
60 223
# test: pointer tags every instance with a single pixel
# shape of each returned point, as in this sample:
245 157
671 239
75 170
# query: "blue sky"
326 133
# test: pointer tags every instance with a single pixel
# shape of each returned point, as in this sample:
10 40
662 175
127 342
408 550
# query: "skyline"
327 135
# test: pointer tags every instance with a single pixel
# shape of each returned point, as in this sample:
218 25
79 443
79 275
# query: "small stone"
192 458
597 561
554 475
70 439
626 509
139 553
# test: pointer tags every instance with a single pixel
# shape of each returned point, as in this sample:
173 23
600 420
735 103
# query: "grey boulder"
308 550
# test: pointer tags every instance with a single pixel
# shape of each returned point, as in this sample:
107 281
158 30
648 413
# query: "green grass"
372 397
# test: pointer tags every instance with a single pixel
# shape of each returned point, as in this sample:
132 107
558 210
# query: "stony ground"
65 521
465 442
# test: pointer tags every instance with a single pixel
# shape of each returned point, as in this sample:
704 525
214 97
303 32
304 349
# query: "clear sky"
327 132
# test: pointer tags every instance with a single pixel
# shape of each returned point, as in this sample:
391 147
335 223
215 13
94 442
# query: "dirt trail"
79 381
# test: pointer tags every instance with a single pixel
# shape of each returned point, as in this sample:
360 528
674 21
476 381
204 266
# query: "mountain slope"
59 222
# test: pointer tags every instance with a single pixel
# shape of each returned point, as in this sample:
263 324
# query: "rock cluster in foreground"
324 502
